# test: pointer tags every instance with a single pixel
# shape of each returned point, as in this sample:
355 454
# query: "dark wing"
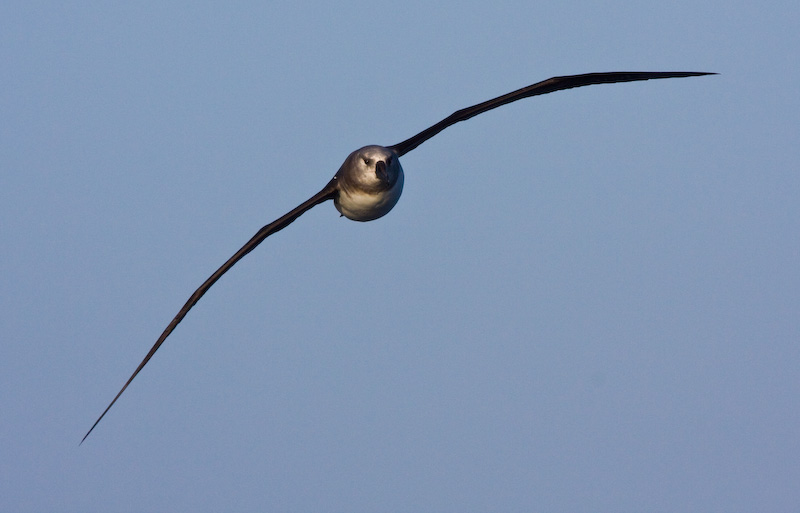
329 192
546 86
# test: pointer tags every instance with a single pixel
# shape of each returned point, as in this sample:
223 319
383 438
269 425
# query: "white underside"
360 206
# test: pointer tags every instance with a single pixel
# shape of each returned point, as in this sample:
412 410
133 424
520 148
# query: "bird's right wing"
328 192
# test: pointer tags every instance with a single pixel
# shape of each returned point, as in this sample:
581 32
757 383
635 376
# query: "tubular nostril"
380 171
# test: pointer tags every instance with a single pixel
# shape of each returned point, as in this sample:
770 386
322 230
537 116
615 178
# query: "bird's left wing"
546 86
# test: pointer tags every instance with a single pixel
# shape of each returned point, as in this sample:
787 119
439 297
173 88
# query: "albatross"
370 181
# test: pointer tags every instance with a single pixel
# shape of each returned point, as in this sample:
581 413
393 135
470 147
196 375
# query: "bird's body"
370 181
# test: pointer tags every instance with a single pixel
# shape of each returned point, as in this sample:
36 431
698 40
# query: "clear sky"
585 301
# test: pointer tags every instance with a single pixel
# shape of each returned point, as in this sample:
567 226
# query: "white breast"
366 206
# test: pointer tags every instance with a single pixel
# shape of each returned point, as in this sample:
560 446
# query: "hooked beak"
380 171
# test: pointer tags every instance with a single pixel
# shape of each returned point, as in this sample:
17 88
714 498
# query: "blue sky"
586 301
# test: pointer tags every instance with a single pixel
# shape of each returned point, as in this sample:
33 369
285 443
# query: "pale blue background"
586 301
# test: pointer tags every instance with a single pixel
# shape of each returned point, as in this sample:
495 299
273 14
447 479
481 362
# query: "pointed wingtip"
96 422
92 428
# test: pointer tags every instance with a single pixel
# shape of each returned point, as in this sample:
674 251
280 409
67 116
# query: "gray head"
370 182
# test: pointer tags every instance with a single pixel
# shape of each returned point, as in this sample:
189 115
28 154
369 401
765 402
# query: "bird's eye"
367 161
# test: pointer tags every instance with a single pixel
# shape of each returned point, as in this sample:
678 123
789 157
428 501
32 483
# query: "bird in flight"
370 181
